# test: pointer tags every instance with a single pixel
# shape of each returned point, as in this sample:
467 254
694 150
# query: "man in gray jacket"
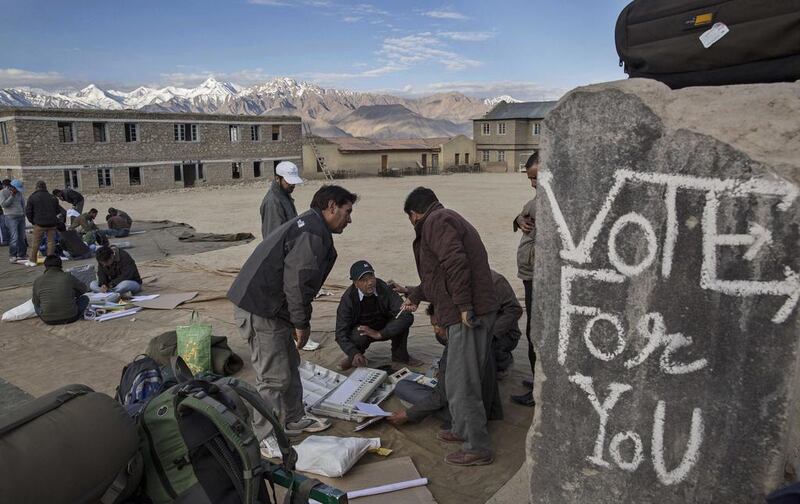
13 204
278 205
272 296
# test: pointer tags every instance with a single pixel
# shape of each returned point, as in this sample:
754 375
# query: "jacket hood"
435 206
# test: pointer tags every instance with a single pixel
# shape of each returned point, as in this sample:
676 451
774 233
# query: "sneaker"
469 458
12 260
269 447
308 423
30 264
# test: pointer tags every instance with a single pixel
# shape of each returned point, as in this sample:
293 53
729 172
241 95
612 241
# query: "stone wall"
666 290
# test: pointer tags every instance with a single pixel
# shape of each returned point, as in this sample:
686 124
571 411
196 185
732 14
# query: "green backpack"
199 446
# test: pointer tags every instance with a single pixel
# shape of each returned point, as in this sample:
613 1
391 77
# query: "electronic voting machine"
328 393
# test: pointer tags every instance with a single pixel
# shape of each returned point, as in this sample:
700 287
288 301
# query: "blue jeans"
17 246
121 288
4 238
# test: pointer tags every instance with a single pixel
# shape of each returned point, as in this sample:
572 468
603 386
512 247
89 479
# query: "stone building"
356 156
129 151
507 135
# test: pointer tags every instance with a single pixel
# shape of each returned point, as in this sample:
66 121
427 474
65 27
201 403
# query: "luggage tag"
711 36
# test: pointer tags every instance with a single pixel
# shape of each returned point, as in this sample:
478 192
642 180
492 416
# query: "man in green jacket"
58 297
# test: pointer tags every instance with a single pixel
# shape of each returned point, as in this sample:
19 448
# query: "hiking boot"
525 399
469 458
345 364
448 437
269 447
308 423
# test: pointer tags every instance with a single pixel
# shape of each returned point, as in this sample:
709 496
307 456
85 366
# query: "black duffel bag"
73 445
749 41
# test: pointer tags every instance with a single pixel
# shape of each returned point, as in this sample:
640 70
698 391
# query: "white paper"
311 345
117 314
391 487
371 409
711 36
144 298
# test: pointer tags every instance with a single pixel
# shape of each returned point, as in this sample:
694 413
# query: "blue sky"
527 48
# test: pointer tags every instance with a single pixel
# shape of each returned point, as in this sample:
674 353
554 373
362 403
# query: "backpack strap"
303 492
130 474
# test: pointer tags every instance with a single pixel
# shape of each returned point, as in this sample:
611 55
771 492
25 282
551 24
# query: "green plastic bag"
194 344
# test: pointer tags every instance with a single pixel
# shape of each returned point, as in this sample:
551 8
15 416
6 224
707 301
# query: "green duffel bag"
73 445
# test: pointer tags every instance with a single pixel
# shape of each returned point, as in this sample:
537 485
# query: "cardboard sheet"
382 473
167 301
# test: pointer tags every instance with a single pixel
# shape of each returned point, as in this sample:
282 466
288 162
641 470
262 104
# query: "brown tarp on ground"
38 358
161 239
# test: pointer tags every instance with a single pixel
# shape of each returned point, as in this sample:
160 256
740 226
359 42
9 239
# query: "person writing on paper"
272 298
58 297
278 205
433 401
367 313
453 268
116 272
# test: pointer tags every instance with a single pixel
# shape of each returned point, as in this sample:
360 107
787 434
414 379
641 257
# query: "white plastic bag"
21 312
332 456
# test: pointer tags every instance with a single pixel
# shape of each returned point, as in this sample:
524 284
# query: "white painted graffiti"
756 240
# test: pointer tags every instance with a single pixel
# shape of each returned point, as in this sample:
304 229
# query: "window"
276 132
134 176
185 132
434 160
65 132
320 162
485 129
71 179
501 155
466 158
485 156
537 128
236 170
234 132
178 173
501 128
457 159
99 131
256 169
104 177
3 133
255 132
131 132
200 174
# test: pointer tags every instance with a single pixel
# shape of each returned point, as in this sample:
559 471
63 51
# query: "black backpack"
759 42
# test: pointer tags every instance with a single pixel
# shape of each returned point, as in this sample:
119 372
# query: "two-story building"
507 135
130 151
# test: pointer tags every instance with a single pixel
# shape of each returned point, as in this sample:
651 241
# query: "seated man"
433 401
116 272
58 297
505 331
118 226
368 312
113 212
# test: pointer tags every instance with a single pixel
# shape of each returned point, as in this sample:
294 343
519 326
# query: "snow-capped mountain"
491 102
323 108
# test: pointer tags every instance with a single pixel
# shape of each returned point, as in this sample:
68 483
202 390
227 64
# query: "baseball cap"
359 269
17 184
289 172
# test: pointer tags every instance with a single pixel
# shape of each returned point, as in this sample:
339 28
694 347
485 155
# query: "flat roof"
521 110
36 113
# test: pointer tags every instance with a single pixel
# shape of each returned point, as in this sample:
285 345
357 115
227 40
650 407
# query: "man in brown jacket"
453 268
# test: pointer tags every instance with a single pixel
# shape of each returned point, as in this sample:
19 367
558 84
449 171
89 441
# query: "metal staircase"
320 159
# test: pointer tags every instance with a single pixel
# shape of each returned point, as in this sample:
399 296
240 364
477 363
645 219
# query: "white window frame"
4 133
255 133
141 178
501 155
105 132
71 131
536 128
486 129
180 130
135 132
501 126
485 156
100 175
76 179
233 131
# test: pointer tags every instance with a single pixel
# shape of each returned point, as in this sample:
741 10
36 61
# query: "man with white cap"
278 205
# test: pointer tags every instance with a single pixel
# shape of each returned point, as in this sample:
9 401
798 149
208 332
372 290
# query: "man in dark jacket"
43 211
272 296
505 331
58 297
453 267
278 205
370 311
116 272
71 196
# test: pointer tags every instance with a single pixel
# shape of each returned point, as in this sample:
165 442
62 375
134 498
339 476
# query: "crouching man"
368 312
116 272
58 297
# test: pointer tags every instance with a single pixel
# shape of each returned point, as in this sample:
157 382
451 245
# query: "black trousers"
399 344
528 304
